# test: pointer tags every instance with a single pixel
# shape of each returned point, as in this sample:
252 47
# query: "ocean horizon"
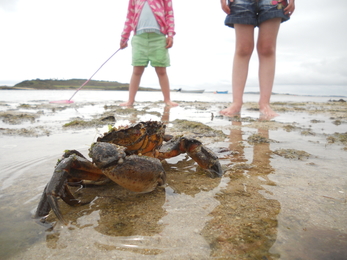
301 90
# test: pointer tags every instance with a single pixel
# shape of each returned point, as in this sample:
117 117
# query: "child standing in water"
152 22
244 16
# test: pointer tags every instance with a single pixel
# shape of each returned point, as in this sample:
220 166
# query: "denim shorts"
150 47
254 12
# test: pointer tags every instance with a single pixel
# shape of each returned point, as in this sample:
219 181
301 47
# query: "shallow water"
29 96
266 206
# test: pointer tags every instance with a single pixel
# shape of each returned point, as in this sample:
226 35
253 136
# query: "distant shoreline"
71 84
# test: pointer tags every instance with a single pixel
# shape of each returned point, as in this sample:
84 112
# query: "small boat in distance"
190 90
221 92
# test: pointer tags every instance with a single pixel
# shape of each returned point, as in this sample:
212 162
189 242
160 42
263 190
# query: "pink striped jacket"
162 10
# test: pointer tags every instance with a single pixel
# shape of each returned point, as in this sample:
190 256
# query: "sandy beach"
283 194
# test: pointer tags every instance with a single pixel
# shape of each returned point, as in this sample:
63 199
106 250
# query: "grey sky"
72 38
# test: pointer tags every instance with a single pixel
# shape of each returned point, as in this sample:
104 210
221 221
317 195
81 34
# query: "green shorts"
150 47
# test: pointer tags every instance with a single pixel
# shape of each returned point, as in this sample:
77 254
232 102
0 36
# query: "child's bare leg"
134 85
165 85
243 52
266 47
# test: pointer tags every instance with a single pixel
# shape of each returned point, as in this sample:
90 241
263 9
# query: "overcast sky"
50 39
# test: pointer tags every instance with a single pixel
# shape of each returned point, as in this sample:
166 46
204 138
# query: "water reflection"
244 225
166 115
136 116
114 212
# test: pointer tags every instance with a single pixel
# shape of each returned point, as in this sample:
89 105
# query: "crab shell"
143 138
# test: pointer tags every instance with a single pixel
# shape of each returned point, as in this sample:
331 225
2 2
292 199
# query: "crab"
129 156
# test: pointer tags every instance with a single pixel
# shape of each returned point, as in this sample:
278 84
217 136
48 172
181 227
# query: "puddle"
266 206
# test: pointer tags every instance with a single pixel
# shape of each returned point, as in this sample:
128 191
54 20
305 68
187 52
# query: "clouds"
8 5
71 39
328 70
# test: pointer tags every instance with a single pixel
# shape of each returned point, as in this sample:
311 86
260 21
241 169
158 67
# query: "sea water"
32 96
290 208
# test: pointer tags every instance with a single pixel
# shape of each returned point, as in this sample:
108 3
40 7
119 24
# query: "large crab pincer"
130 157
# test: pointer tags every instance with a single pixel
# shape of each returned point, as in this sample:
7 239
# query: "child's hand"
123 45
225 7
289 10
169 42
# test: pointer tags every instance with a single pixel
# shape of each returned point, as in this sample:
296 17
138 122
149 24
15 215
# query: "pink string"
92 76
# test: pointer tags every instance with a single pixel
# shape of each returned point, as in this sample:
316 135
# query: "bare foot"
267 113
171 104
232 110
127 104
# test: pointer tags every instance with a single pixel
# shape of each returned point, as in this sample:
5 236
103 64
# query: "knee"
161 71
138 71
266 50
244 50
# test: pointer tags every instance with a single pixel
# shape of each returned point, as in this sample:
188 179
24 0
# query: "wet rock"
292 154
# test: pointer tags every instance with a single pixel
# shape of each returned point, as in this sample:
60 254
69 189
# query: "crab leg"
75 167
205 158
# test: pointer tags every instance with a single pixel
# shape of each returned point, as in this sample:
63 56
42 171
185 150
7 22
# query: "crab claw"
205 158
135 173
106 154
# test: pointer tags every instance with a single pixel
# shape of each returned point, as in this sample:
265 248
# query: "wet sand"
283 194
